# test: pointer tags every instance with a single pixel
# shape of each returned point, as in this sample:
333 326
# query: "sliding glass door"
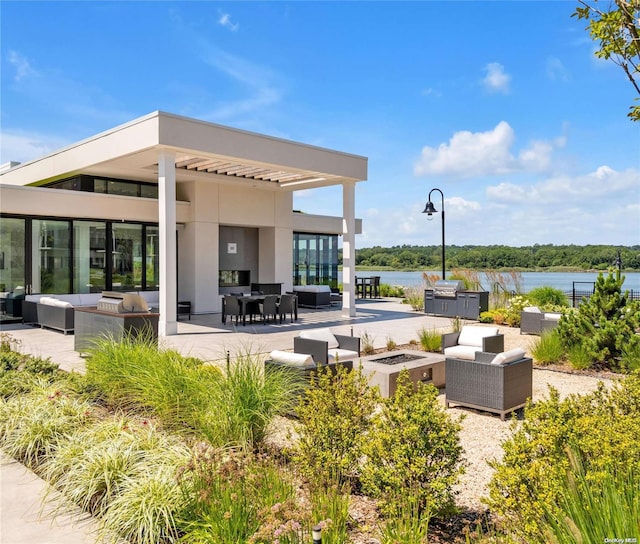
12 254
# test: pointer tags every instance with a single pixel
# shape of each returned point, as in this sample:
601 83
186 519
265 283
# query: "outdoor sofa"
535 321
301 363
498 383
470 339
313 296
326 347
57 311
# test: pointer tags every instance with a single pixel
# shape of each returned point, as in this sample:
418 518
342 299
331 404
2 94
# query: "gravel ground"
482 434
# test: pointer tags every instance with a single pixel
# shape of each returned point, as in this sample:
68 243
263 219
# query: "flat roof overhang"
203 151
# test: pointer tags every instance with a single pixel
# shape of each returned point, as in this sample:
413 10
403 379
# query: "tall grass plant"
430 340
547 348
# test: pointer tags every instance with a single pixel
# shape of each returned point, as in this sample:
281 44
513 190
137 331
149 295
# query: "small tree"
413 451
334 417
618 32
605 325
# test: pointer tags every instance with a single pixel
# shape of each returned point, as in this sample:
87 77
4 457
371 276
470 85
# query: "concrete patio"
206 337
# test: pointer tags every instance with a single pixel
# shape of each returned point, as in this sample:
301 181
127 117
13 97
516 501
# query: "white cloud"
496 80
457 205
21 64
22 147
556 70
225 20
470 154
475 154
589 191
259 81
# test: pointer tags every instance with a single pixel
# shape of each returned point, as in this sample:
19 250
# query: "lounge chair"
498 383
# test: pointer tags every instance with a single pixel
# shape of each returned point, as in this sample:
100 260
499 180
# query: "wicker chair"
231 308
268 307
479 384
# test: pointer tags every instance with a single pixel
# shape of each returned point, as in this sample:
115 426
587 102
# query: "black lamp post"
430 209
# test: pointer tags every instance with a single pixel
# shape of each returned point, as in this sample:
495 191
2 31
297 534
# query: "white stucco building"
165 202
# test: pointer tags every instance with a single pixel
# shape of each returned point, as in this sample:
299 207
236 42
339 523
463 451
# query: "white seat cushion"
325 335
552 316
509 356
462 352
472 335
342 355
291 359
532 310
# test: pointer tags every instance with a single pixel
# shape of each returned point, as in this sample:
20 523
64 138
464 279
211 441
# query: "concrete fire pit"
383 369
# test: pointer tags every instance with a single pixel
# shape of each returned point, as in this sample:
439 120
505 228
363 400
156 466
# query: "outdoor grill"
120 303
448 288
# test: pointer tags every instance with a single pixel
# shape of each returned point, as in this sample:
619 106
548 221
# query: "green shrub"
547 348
392 291
10 360
413 450
366 344
546 297
602 427
330 510
630 358
410 526
32 425
516 305
578 357
391 343
594 512
243 402
145 509
603 325
414 296
456 324
486 317
499 315
231 495
92 467
8 342
334 417
430 340
136 373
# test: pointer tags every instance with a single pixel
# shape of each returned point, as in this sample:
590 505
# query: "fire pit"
397 359
383 369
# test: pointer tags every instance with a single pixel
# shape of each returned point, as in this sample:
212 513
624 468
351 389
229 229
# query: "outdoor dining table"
246 302
366 286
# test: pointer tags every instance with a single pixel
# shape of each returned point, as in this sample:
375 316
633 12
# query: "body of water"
560 280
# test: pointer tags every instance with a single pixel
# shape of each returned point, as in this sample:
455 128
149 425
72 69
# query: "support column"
348 248
167 324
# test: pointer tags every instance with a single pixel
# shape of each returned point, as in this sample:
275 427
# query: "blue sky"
501 105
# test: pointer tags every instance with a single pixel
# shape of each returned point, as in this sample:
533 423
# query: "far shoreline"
567 269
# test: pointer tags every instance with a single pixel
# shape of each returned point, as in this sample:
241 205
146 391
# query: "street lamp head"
430 209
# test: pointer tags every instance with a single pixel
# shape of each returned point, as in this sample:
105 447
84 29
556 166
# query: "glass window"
148 191
50 266
153 263
315 259
99 185
12 255
126 257
89 257
122 188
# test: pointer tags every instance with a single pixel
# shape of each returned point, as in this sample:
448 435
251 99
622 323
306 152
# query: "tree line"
589 257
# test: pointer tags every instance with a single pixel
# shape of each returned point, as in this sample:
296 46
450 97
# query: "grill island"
117 315
449 298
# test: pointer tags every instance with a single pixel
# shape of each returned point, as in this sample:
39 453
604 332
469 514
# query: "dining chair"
286 306
268 307
232 308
